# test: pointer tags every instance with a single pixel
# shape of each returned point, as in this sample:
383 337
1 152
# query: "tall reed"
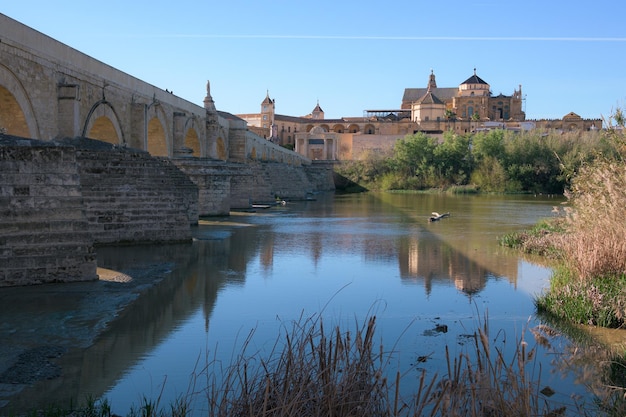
595 243
312 371
315 372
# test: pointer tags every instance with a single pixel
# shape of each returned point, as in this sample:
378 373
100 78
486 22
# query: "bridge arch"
103 124
192 137
17 115
157 134
220 148
157 139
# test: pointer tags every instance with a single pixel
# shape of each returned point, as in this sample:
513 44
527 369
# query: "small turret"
268 107
432 83
317 112
209 104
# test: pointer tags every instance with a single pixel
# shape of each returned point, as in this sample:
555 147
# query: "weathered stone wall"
213 179
44 234
320 175
131 197
60 199
242 188
260 182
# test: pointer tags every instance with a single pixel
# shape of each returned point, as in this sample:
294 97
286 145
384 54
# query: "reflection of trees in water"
593 357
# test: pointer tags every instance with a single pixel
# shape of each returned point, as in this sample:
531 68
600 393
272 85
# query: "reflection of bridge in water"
137 316
194 274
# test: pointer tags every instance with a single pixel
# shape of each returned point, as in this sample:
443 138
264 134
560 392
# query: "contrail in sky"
402 38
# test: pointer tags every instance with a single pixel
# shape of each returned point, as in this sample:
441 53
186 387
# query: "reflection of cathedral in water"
424 259
434 261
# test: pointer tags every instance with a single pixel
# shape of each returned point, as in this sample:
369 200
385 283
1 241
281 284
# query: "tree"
489 145
453 160
450 115
413 156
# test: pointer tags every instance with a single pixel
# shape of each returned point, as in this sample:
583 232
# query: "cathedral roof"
474 79
267 100
415 94
430 98
571 116
318 108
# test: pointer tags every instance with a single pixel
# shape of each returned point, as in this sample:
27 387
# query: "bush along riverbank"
587 240
496 161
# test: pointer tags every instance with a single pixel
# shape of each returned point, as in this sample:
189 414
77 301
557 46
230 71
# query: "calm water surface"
341 257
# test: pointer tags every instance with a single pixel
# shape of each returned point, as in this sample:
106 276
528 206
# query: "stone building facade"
466 108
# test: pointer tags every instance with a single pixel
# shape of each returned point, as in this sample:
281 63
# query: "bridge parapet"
248 146
55 91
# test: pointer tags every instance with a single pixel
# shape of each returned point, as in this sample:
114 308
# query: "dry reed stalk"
341 376
595 243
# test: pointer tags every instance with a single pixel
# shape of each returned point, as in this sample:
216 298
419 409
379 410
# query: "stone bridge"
91 155
49 90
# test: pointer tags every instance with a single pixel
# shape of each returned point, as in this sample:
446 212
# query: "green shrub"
599 301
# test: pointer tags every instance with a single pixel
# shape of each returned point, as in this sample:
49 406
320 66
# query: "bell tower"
432 83
268 108
317 112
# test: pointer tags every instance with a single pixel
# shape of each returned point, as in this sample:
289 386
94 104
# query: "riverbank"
43 324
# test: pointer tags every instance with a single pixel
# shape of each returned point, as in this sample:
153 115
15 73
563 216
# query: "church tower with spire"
432 83
268 111
317 112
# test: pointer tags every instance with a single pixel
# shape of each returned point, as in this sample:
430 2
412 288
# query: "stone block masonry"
130 197
44 235
264 181
213 178
59 200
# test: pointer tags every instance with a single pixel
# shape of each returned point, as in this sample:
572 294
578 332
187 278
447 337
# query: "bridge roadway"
49 90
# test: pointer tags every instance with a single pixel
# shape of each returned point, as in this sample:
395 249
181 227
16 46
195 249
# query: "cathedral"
467 108
471 100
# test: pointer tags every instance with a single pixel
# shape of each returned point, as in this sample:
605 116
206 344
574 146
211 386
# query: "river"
340 257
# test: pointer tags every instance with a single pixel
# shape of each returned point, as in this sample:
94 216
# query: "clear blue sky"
351 55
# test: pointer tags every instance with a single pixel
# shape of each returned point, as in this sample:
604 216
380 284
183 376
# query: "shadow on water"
105 328
102 328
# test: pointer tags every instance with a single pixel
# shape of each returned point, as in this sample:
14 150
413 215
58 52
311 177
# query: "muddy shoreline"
40 325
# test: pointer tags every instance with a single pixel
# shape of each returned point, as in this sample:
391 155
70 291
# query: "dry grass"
311 372
307 373
595 242
590 286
